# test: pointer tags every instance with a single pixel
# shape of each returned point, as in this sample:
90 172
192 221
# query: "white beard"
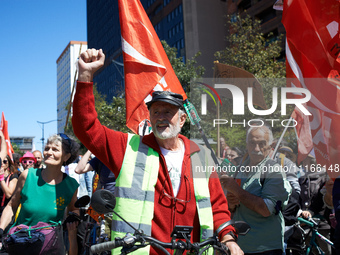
171 133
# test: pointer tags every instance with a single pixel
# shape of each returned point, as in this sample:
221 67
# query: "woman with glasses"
45 193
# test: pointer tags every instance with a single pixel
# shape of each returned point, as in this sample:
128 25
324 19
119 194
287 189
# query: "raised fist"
89 62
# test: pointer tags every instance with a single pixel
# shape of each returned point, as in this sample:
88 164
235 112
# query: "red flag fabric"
304 136
146 65
312 52
4 129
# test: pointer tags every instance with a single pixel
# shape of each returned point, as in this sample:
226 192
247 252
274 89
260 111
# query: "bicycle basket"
41 239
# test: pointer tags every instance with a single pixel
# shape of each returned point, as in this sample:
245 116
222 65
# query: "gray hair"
265 129
69 146
181 111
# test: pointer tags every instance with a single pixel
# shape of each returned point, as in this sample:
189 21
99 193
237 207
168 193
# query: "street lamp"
43 123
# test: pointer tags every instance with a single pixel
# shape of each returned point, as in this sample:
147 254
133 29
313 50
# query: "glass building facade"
103 32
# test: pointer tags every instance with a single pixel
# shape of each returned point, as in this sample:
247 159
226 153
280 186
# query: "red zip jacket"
109 146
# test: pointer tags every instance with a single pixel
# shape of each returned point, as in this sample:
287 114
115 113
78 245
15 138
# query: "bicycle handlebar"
129 241
309 222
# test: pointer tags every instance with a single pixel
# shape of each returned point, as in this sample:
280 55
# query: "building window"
182 43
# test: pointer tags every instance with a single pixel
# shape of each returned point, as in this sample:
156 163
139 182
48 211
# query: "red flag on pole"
304 136
4 129
312 52
146 65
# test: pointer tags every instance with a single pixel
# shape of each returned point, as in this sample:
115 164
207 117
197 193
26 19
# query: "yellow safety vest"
135 191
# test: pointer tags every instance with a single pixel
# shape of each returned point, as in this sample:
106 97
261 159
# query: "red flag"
146 65
304 136
4 129
312 52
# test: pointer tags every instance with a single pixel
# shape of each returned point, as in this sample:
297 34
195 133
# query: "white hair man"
154 186
262 192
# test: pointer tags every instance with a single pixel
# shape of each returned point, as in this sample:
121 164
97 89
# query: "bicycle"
88 228
180 236
312 247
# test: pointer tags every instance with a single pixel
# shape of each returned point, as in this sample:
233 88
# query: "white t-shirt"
174 161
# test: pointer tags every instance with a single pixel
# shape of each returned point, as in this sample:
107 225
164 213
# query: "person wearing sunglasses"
155 184
8 182
44 194
3 147
28 160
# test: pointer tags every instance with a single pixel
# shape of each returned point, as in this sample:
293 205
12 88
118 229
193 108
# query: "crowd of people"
310 195
155 183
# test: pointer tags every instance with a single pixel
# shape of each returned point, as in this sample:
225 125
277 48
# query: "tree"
185 72
16 149
248 48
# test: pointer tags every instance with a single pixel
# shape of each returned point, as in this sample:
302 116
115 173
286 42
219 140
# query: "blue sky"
33 35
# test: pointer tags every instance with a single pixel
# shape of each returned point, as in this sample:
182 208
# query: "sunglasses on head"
28 161
65 137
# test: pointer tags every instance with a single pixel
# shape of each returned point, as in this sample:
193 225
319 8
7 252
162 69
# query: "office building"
186 25
189 25
66 70
25 143
262 10
103 32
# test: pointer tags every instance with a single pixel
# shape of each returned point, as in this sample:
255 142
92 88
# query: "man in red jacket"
174 190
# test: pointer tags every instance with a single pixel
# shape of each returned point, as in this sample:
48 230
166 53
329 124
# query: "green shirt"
44 202
266 233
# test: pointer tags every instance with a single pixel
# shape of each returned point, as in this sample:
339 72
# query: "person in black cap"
155 187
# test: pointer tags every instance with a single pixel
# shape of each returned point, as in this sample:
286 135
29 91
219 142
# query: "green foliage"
249 49
16 149
184 71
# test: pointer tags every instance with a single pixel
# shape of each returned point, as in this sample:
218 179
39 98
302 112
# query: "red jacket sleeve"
106 144
221 213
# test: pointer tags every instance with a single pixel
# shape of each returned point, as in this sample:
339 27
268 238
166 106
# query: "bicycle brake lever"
313 221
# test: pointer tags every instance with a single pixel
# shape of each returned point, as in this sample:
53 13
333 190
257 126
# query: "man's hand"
306 214
233 201
89 62
228 183
229 241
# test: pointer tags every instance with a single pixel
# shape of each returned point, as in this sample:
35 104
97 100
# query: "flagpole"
218 133
195 119
281 137
72 92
